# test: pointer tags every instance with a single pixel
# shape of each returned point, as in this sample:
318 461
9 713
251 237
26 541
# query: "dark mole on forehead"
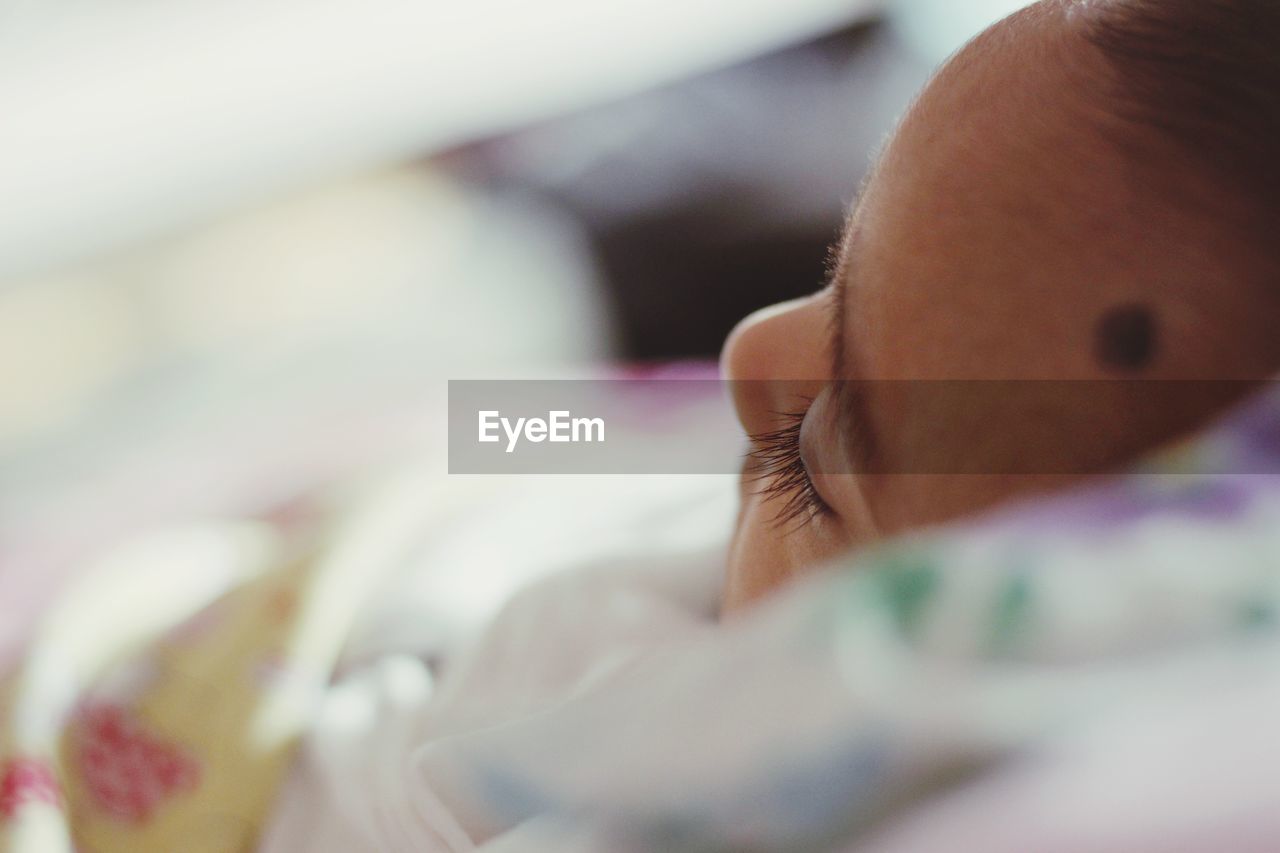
1126 338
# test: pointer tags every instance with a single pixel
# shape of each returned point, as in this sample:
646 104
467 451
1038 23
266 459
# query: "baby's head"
1088 191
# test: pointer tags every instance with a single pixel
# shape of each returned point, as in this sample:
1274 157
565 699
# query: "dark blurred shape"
679 285
1126 338
710 198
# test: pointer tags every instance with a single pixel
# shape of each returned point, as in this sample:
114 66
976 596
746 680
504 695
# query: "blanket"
1098 671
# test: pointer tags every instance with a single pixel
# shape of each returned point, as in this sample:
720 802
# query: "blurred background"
244 244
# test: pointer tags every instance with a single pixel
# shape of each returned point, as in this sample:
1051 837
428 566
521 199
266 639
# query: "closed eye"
779 469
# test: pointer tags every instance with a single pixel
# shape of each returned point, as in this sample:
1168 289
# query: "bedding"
1098 672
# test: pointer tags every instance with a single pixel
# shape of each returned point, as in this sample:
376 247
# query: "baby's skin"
1004 234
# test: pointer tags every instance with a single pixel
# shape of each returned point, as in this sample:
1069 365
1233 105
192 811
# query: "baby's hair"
1202 78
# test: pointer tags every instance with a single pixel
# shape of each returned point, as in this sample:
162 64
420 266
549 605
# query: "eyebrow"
850 396
839 282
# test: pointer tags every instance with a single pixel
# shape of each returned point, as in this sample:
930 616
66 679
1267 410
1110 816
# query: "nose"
776 358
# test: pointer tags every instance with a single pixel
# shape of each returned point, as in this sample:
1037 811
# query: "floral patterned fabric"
160 706
155 713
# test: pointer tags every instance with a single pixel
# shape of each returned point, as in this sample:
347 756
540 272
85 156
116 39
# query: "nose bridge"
775 358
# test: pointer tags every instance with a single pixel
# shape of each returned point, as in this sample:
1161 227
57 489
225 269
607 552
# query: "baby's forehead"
997 197
1015 122
1020 199
1020 71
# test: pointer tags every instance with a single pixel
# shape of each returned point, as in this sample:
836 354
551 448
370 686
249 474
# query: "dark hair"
1202 77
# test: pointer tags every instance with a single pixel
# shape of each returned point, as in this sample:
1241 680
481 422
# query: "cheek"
909 502
765 556
757 561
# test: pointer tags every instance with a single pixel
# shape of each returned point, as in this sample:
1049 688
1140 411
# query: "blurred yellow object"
159 708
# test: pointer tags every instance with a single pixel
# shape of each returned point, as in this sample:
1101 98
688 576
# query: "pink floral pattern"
128 771
23 781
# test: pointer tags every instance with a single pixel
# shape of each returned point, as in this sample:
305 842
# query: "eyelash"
780 466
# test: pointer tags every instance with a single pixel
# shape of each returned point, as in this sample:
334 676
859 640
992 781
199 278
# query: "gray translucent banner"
689 426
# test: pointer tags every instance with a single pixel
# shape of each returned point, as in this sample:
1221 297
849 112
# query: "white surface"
123 121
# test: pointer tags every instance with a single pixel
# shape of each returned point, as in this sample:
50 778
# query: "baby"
1088 191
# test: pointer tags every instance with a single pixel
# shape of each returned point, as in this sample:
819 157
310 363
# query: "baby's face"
999 238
